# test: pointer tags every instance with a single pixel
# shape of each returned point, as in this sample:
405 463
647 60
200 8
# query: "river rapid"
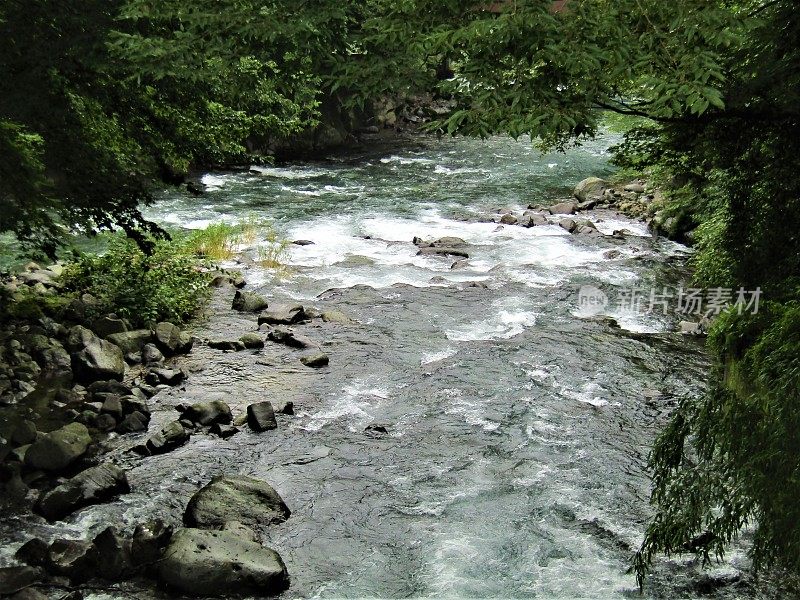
518 425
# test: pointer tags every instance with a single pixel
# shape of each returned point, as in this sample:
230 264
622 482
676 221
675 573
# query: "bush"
167 285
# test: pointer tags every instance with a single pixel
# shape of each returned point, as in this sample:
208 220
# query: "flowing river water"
518 426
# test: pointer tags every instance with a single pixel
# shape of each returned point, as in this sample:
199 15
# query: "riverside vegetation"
107 97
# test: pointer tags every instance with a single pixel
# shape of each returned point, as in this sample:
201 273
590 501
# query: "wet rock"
261 416
131 342
149 539
252 341
221 563
109 387
285 407
335 316
104 423
247 500
208 413
112 405
509 220
563 208
303 243
34 552
169 376
24 433
173 435
58 449
99 359
586 227
460 264
589 187
248 302
196 187
134 423
612 254
443 251
282 314
92 486
112 556
108 325
14 579
223 431
376 429
29 594
315 360
588 205
568 224
290 338
171 340
227 345
71 558
151 355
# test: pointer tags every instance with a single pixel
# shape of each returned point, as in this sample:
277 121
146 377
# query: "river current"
518 426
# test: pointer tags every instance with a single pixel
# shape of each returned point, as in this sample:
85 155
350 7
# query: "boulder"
221 563
112 556
173 435
30 594
131 342
252 341
568 224
148 541
223 431
151 355
24 433
315 360
71 558
108 387
261 416
282 314
134 423
104 423
232 345
34 552
171 340
635 187
99 359
169 376
290 338
92 486
563 208
58 449
108 325
248 302
14 579
589 187
509 219
335 316
246 500
208 413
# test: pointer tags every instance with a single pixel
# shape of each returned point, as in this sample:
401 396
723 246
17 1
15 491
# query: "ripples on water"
518 430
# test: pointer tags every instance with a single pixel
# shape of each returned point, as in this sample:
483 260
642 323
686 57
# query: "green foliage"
165 285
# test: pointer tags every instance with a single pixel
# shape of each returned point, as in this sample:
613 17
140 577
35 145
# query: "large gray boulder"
171 340
282 314
98 360
131 342
92 486
248 302
58 449
221 563
590 187
246 500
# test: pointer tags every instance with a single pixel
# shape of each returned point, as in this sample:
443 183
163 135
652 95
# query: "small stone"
173 435
133 423
223 431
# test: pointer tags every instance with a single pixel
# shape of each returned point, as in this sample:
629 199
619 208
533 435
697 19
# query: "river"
518 426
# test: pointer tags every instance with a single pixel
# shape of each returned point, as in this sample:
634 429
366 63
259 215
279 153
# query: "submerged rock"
261 416
437 251
58 449
246 500
92 486
221 563
290 338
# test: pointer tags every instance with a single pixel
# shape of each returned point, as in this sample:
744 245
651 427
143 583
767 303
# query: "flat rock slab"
221 563
91 486
282 314
246 500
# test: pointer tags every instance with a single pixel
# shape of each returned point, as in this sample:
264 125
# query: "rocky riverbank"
88 397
